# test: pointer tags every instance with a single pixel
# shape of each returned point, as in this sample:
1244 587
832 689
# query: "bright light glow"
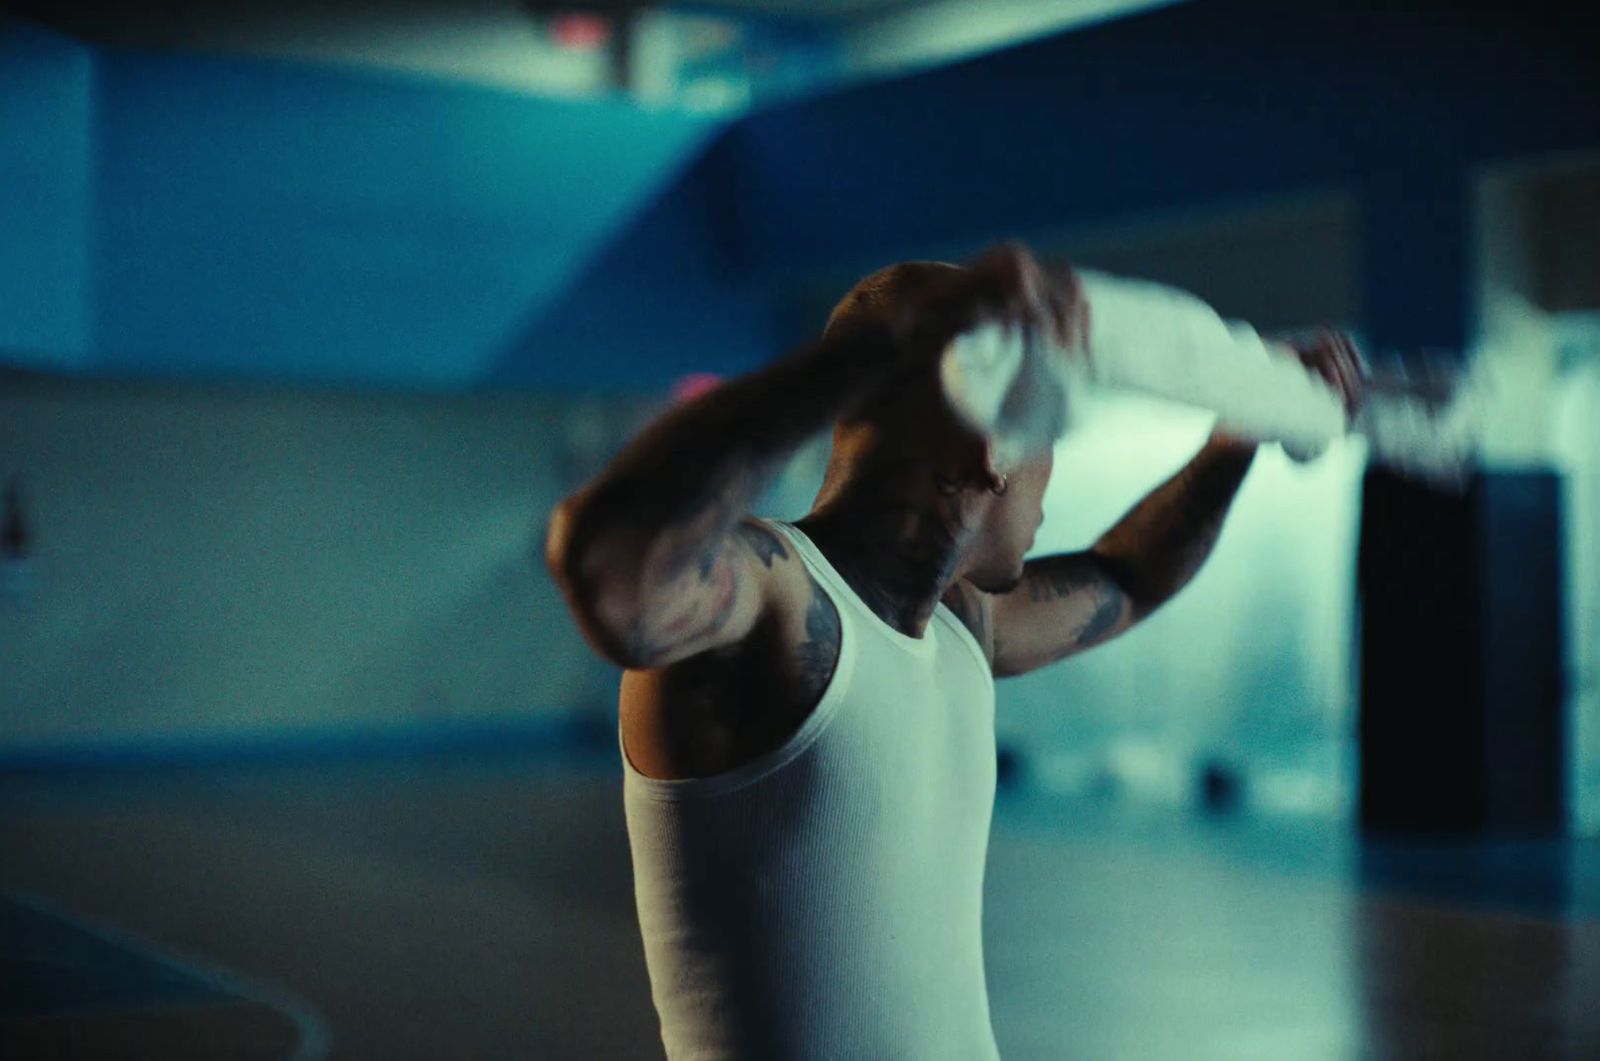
581 33
1251 665
691 386
956 29
1517 359
500 47
1576 444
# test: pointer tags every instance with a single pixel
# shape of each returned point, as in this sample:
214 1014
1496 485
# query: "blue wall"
669 295
256 219
260 218
46 89
1194 105
1200 103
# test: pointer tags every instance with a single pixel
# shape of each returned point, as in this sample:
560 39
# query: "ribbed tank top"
826 900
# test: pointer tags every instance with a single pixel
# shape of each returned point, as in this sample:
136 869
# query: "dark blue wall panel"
1200 103
670 295
46 136
268 219
258 219
1188 104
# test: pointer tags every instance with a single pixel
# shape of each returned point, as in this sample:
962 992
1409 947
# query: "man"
807 709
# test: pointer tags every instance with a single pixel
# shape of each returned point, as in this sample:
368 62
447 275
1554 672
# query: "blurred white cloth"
1148 337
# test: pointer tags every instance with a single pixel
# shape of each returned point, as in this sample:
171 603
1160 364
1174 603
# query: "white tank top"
826 900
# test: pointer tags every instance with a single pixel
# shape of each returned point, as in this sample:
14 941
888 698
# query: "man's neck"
895 539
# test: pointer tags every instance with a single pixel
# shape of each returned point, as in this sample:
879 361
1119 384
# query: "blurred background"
309 313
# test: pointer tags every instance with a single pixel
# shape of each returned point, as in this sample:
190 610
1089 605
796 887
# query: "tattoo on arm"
700 615
695 526
705 612
1107 612
1079 576
1160 544
691 474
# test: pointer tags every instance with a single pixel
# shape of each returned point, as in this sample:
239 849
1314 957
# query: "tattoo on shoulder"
763 542
817 655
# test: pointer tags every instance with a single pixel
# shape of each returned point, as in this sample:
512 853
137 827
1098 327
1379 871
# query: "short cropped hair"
874 297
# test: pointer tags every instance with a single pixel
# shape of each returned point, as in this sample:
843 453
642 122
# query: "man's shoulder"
801 622
769 545
793 593
718 709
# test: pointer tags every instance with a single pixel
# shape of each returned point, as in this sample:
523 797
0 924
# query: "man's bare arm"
647 554
1074 601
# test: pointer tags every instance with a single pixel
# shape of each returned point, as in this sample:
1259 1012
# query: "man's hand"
1005 378
1073 601
1005 285
1333 356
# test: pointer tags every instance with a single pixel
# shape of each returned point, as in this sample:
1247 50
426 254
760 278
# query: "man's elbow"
587 555
594 578
1142 585
560 555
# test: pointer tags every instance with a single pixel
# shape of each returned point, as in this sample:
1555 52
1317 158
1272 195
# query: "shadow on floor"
69 990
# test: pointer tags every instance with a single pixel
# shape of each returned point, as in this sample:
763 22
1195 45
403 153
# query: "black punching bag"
1462 704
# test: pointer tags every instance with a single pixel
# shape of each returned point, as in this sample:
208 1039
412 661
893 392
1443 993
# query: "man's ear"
992 478
970 469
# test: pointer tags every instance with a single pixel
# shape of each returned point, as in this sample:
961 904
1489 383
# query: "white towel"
1019 388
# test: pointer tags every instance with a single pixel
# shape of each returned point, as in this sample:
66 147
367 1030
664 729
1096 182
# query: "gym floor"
480 906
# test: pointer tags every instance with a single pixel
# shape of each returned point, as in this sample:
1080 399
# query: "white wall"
217 562
1252 665
228 563
1538 350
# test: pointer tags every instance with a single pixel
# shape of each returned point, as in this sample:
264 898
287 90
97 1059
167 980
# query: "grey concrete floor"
481 907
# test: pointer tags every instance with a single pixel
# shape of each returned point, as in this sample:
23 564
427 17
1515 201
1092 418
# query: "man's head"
1007 526
908 438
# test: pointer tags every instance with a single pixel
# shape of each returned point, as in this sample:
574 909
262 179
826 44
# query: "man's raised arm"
647 555
1073 601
